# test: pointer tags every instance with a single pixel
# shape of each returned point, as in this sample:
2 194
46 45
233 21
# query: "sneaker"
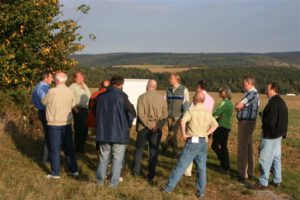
200 196
187 174
49 176
75 174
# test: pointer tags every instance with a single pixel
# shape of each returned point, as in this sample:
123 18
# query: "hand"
154 130
76 111
239 106
186 137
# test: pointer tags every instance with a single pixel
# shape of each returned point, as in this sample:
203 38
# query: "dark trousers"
61 136
153 139
42 118
80 128
219 145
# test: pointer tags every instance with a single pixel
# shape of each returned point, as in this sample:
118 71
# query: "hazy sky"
189 25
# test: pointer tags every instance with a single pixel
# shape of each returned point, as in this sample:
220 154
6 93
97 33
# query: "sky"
188 26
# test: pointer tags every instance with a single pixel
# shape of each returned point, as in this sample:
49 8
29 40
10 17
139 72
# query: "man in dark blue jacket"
274 128
114 116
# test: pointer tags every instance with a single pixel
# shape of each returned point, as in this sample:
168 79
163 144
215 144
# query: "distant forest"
287 77
191 59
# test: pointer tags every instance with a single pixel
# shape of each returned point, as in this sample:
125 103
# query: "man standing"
274 128
38 94
201 123
178 101
59 103
247 110
208 104
152 115
114 116
80 111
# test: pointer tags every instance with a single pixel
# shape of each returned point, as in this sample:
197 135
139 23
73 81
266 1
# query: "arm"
129 109
142 114
163 120
246 101
213 126
186 100
186 118
220 110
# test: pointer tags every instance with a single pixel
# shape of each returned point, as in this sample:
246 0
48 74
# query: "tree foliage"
286 77
34 38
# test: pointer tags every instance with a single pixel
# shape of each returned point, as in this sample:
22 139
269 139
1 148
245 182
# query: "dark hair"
45 74
117 80
203 84
275 86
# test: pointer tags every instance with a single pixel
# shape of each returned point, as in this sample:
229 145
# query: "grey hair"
227 91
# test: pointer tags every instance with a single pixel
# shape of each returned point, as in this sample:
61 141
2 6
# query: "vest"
174 100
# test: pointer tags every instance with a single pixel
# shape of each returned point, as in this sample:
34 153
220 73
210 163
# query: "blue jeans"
110 151
61 136
196 152
270 158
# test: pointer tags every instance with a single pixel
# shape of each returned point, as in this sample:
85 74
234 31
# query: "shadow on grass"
30 147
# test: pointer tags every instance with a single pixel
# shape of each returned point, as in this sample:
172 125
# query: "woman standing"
223 115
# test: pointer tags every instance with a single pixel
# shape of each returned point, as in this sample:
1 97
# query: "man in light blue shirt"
39 92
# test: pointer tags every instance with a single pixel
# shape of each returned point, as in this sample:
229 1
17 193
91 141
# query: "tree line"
287 77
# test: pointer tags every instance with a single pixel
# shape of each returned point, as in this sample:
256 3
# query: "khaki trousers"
173 134
245 164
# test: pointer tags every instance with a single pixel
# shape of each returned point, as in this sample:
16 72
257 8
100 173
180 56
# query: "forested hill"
191 59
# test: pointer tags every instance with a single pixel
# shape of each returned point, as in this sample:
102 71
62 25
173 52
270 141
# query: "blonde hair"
227 91
177 76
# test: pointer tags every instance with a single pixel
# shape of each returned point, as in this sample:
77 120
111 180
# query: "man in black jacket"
114 116
274 128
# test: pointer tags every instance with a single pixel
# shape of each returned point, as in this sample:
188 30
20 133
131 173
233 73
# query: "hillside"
191 59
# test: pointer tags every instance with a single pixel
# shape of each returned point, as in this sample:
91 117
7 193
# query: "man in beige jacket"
152 114
59 102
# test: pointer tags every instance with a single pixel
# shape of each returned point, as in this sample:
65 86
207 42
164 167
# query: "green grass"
22 175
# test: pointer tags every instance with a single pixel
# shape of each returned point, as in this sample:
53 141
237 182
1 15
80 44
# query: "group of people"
111 114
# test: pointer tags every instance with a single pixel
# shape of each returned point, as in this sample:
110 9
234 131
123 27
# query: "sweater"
59 102
275 118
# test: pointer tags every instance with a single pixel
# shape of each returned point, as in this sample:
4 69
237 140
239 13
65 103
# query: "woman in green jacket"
223 115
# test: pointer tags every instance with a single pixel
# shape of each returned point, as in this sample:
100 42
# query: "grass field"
157 68
22 175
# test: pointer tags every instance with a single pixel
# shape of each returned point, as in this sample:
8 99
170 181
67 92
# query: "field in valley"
22 175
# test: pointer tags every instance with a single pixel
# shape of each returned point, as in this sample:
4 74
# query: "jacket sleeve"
129 109
220 110
142 115
270 117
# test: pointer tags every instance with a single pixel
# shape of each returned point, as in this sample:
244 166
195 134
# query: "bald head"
199 98
60 78
152 85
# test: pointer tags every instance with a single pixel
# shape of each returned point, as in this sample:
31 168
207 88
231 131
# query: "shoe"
258 186
187 174
277 185
241 179
163 190
75 174
164 147
49 176
200 196
150 181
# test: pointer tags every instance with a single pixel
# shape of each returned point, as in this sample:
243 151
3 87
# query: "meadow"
22 176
